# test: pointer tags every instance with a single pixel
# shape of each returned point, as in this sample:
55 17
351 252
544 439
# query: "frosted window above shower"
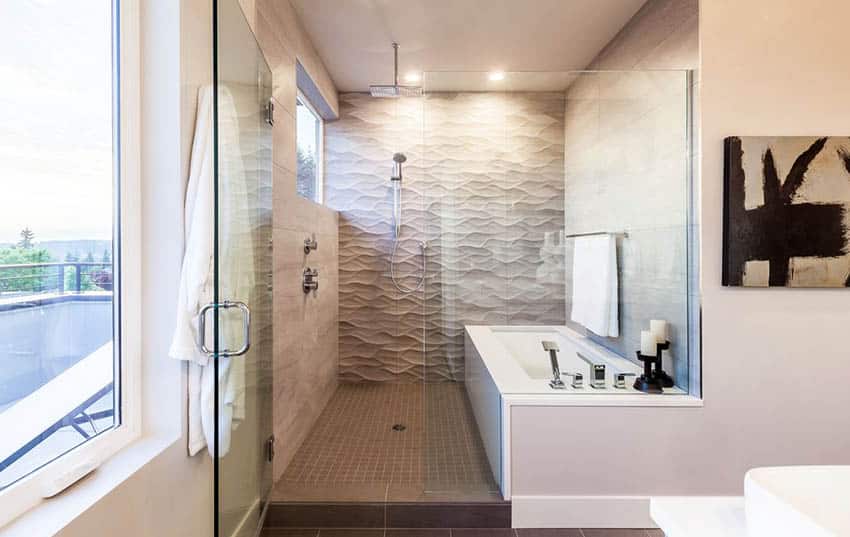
309 150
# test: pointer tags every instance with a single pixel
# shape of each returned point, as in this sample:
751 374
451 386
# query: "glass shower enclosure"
512 168
500 174
241 313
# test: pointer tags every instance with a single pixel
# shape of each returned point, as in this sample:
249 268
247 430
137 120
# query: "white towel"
196 278
595 293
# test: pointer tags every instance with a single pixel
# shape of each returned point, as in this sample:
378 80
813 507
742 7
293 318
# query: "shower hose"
402 288
396 238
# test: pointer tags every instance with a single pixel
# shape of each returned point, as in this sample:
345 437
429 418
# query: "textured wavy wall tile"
484 185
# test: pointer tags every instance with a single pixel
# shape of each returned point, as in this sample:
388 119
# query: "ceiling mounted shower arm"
395 89
395 63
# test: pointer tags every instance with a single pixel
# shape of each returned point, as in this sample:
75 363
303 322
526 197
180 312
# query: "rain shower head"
394 90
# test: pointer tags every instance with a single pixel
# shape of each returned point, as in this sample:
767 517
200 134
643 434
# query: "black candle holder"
654 379
660 374
648 383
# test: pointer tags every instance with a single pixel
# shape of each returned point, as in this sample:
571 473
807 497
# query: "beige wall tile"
305 326
284 188
249 7
282 16
283 139
284 87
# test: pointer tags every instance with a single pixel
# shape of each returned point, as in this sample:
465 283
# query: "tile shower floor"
356 452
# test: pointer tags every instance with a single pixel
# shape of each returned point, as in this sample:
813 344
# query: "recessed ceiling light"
412 77
495 76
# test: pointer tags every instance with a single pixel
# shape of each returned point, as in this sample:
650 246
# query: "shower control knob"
310 280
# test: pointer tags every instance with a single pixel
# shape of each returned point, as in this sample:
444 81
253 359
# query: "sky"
55 119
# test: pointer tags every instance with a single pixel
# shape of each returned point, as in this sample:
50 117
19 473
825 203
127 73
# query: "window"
309 151
66 315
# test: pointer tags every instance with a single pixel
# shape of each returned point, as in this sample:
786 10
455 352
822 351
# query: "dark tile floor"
379 515
354 454
466 532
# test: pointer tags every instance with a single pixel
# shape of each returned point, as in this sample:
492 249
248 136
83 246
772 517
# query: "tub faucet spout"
552 348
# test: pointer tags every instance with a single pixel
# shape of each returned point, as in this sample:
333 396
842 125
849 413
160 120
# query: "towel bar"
623 234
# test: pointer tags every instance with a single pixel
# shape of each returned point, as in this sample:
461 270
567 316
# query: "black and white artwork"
786 212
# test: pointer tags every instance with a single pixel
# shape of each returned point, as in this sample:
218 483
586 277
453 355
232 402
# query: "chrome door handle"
246 328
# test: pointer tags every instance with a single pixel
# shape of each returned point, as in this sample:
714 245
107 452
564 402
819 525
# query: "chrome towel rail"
623 234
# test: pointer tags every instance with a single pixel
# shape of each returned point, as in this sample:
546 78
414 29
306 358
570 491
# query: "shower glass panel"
511 169
242 317
628 169
465 150
498 176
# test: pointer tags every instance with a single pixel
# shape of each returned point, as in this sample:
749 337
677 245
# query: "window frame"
320 149
27 493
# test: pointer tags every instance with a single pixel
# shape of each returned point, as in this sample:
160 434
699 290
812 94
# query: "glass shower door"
242 311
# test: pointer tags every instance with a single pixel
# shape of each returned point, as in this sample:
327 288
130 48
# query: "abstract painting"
786 212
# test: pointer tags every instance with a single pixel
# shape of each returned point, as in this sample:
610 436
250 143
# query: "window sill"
52 515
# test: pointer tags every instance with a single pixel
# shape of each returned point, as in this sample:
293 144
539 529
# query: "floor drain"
398 427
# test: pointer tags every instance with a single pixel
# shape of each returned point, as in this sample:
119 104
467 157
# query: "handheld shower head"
398 160
395 181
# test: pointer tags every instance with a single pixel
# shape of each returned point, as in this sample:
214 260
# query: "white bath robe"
236 274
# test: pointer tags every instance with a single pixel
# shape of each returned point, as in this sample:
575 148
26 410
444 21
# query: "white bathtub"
507 366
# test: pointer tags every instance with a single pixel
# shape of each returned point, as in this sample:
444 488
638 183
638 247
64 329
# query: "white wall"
773 359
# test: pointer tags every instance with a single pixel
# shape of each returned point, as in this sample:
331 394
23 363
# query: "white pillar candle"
647 343
659 330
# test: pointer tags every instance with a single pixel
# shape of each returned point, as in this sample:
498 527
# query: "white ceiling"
353 36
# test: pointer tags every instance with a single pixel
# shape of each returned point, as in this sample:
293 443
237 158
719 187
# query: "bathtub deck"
353 453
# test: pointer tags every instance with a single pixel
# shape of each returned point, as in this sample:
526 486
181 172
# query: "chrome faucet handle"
597 372
620 380
597 376
310 243
578 380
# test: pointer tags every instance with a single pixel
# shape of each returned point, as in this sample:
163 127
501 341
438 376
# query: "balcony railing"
70 276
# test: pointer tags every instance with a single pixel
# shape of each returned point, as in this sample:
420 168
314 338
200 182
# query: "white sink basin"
798 500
